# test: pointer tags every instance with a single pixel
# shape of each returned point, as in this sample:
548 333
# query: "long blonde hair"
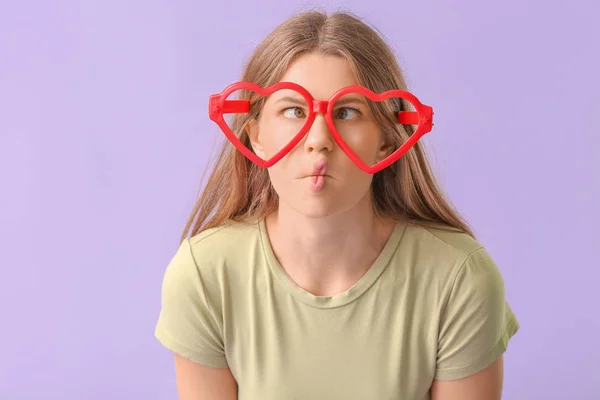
239 190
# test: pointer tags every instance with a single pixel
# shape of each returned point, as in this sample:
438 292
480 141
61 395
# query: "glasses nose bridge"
320 106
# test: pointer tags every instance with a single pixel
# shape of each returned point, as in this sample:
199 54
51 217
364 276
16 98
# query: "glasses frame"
219 105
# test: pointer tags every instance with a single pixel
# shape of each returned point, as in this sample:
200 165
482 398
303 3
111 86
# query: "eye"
294 112
346 113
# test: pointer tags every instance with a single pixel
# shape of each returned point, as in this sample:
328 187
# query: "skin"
325 241
198 382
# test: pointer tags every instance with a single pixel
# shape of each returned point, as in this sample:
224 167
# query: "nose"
318 137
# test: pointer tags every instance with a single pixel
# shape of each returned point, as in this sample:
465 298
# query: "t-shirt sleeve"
187 325
476 323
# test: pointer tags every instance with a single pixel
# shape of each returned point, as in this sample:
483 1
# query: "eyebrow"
300 101
350 100
291 99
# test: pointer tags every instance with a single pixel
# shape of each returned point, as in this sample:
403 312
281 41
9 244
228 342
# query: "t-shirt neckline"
340 299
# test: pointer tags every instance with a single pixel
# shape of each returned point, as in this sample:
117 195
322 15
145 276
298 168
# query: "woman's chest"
360 351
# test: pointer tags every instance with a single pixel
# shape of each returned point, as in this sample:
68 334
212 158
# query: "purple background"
104 136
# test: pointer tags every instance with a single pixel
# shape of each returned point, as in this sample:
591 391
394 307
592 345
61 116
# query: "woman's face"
317 178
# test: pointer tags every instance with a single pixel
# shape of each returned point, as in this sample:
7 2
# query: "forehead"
321 75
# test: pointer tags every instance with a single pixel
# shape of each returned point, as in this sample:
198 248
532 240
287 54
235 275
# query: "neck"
327 255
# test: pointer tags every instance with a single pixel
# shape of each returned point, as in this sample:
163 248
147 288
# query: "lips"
318 175
320 168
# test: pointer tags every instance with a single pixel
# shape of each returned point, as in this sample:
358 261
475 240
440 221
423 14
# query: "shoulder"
441 249
440 257
224 255
225 241
447 240
203 253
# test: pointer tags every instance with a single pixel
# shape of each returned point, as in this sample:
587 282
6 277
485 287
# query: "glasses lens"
369 128
271 123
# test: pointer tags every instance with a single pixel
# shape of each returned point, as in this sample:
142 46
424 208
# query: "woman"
330 274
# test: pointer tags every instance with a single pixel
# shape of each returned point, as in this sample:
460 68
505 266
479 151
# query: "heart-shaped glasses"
220 104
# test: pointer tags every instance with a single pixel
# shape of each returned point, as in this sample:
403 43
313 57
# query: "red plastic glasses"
220 104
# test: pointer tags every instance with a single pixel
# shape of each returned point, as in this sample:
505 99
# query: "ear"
386 148
253 134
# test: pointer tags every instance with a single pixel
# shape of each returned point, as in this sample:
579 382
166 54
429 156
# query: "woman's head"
322 53
316 177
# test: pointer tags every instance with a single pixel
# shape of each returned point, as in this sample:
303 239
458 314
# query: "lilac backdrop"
104 135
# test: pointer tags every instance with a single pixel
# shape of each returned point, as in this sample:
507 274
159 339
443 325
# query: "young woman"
317 270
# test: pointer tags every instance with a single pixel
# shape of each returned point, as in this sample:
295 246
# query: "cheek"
365 142
280 177
271 141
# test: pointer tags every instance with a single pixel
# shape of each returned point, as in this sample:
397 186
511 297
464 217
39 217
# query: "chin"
336 197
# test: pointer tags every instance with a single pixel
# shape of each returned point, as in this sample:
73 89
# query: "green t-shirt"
432 306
